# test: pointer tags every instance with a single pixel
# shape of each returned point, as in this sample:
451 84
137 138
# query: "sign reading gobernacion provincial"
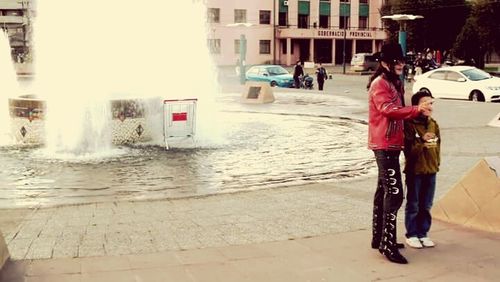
350 34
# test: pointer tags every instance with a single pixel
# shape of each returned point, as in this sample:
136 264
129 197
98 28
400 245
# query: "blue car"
274 74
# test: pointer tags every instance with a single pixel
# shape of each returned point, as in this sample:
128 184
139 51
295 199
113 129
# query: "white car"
459 82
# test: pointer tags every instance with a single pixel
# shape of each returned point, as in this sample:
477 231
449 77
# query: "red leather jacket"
386 115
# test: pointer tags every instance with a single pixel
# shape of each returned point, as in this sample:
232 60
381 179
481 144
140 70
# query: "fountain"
101 76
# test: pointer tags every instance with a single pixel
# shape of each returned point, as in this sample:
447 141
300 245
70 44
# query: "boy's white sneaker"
414 242
427 242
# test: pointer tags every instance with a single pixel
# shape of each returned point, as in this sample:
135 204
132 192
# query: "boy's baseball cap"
416 97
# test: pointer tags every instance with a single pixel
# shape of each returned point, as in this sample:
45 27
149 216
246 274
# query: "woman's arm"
389 104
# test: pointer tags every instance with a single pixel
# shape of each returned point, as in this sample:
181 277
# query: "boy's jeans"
420 195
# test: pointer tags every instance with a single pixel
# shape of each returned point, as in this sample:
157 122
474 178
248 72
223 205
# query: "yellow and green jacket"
421 157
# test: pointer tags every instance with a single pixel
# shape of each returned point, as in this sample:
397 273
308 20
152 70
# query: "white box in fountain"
179 119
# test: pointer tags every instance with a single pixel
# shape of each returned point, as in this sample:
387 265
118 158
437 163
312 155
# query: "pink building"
224 39
284 31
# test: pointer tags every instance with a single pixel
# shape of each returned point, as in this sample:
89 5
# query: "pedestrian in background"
321 76
438 57
419 64
422 154
298 71
386 138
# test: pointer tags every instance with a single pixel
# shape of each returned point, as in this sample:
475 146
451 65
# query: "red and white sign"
179 117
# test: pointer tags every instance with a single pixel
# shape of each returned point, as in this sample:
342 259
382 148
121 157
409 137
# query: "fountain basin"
129 122
27 114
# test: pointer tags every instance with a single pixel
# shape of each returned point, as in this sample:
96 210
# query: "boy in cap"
422 153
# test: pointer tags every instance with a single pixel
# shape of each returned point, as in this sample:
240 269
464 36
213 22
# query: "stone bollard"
257 92
4 252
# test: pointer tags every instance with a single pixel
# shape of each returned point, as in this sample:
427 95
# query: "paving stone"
53 266
18 248
65 251
187 242
40 252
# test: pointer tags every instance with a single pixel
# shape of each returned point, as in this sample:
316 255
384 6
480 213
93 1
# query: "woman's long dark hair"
380 70
390 75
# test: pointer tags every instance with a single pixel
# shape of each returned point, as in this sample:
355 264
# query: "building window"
213 15
237 46
264 17
240 16
265 47
324 21
303 21
344 22
282 21
345 1
363 22
362 1
214 46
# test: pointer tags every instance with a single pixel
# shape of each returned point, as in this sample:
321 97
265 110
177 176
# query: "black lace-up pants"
387 201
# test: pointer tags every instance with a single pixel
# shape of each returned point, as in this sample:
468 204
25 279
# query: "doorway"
339 49
323 51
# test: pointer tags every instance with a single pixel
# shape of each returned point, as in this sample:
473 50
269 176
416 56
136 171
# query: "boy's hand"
428 136
425 106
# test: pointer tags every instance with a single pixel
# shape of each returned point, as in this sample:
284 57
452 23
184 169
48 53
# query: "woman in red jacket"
386 138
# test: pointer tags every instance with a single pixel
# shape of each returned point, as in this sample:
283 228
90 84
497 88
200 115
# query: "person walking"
422 154
298 71
386 138
321 76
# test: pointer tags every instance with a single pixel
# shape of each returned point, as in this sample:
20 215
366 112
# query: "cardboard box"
495 122
475 200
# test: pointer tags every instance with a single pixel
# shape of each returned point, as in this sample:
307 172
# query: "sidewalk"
460 255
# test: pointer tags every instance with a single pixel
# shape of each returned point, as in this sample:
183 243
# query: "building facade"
230 19
286 31
15 20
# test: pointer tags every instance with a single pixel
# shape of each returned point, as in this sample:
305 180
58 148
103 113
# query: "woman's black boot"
375 245
395 256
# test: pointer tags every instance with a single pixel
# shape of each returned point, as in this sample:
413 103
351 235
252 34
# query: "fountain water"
10 88
112 50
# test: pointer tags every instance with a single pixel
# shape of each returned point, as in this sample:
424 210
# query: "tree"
481 33
443 20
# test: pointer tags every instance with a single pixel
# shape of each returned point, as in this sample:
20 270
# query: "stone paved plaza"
319 212
145 227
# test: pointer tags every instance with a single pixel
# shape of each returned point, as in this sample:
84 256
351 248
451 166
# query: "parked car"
363 62
459 82
274 74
